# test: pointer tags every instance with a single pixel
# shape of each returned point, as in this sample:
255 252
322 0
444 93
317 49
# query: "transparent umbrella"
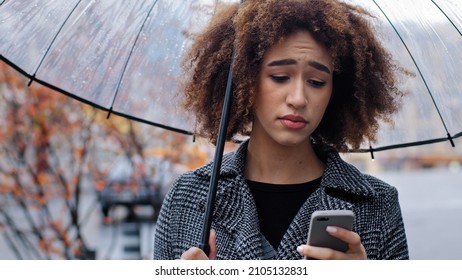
124 57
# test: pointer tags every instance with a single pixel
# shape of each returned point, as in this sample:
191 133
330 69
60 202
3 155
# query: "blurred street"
431 202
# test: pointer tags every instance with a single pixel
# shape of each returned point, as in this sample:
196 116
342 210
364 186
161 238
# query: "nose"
296 97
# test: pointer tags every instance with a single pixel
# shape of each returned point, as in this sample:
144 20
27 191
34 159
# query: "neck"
278 164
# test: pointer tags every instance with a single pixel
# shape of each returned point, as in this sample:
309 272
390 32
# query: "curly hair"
364 89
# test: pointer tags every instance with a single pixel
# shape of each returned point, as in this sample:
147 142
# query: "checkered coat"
378 217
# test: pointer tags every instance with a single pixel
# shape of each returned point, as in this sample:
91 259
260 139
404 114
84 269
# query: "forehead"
299 45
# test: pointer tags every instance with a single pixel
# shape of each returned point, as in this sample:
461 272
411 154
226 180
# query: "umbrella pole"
217 161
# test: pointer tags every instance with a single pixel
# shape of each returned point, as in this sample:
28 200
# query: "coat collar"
338 174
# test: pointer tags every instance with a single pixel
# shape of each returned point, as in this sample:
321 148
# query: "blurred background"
75 184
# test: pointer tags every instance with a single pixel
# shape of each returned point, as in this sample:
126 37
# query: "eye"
316 83
279 78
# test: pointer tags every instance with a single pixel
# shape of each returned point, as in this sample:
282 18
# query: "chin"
292 141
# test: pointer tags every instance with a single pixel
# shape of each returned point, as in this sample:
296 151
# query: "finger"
213 245
350 237
319 253
356 249
194 253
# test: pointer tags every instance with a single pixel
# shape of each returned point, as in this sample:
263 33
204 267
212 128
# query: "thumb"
213 245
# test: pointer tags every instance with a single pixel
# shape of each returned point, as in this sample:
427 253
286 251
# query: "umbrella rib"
101 107
446 15
418 69
409 144
60 90
122 75
215 8
32 77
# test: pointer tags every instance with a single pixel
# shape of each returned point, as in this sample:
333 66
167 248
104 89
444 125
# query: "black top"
277 206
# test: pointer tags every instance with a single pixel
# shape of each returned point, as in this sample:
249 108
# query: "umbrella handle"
205 248
222 131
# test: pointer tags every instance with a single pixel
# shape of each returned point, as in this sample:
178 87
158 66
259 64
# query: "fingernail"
300 249
331 229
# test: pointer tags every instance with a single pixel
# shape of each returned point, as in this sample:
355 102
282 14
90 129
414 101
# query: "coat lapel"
237 220
338 176
236 217
297 233
235 213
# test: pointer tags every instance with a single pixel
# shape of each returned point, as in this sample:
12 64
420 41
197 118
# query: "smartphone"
319 237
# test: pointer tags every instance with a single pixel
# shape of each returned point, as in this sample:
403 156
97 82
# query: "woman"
310 80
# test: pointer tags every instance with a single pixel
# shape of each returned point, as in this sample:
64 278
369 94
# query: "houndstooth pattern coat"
378 218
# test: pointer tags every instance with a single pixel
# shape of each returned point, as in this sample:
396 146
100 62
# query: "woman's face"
294 88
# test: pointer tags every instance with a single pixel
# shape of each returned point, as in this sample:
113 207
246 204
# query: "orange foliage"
43 178
16 191
39 161
100 184
5 188
47 246
79 151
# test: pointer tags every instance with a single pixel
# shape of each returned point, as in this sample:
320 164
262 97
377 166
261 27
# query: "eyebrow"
289 61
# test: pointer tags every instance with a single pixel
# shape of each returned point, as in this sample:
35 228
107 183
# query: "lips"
293 122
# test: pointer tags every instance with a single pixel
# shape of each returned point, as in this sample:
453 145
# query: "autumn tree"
52 149
46 143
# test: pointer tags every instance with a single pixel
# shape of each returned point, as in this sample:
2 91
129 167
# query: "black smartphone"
320 220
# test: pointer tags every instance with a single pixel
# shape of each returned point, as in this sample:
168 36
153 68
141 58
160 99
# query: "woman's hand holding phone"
330 237
355 249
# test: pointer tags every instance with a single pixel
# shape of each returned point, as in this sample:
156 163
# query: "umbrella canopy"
120 56
124 57
425 37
